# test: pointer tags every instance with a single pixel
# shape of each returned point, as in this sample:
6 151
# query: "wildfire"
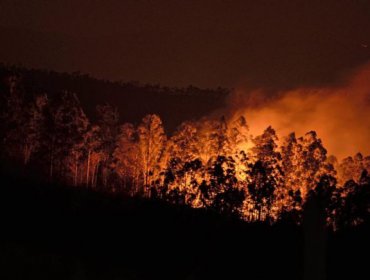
236 165
339 114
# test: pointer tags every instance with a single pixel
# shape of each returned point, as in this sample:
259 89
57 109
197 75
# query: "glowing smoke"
339 114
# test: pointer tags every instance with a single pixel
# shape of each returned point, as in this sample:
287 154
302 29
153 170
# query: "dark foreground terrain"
57 232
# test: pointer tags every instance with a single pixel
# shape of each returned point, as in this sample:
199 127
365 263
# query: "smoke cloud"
340 114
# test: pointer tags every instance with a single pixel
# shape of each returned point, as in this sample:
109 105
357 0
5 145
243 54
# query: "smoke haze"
339 114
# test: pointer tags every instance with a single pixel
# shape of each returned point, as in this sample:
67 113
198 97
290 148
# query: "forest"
208 161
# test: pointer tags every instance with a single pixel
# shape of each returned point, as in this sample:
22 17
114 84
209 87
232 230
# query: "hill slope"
58 232
132 99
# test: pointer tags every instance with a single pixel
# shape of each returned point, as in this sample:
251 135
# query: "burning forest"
223 162
184 139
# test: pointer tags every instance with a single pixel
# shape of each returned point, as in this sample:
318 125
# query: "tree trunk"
88 169
148 162
92 176
76 170
81 175
26 154
96 174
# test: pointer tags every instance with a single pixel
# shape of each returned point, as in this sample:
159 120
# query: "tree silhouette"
356 202
265 177
261 188
108 121
213 162
224 195
69 125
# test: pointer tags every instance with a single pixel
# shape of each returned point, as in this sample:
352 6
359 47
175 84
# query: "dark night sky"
205 43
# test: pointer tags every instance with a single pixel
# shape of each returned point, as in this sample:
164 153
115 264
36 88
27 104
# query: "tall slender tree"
127 158
108 121
265 176
151 144
69 127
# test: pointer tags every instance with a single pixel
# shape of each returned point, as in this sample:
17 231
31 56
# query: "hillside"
133 100
59 232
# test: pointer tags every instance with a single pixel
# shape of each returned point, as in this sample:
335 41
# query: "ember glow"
339 114
185 139
261 159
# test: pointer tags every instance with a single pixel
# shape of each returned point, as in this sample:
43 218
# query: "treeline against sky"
212 163
173 104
